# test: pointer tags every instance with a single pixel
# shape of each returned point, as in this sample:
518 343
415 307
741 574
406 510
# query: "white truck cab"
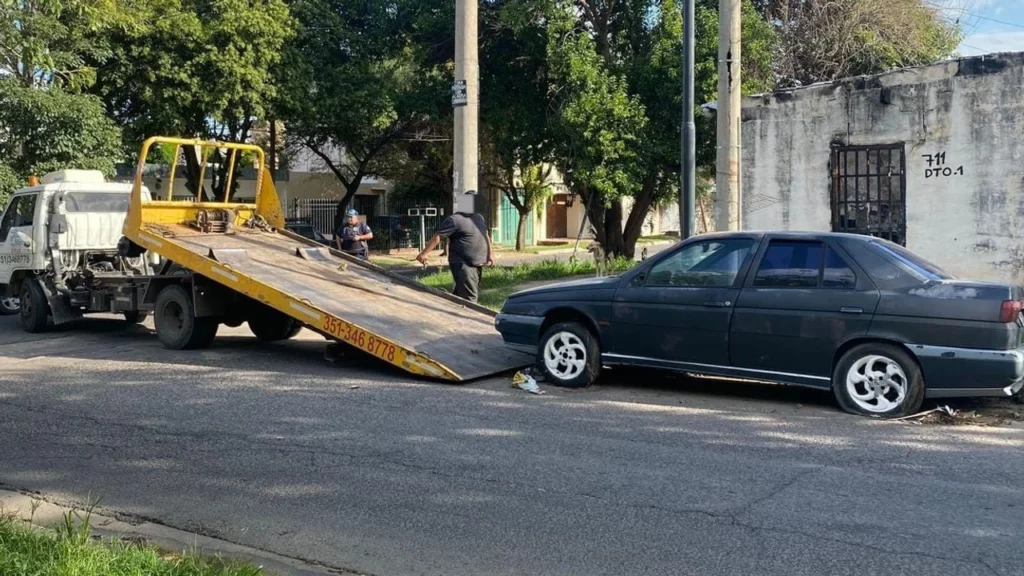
66 229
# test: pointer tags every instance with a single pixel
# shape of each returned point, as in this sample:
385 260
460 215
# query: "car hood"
569 286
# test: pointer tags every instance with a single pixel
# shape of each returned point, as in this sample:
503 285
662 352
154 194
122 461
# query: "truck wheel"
35 310
269 325
176 322
136 317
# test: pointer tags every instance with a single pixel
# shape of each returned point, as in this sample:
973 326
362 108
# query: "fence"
390 232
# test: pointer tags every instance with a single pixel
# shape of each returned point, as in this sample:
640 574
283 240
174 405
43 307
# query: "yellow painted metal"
146 226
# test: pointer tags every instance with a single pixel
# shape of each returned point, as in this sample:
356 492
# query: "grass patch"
543 248
70 549
499 282
657 238
391 262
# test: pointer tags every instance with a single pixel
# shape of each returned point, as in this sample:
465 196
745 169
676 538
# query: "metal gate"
510 224
868 191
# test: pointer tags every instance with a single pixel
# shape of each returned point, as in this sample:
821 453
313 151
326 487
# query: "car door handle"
851 310
717 304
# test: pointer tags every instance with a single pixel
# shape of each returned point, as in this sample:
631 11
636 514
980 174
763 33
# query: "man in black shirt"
469 250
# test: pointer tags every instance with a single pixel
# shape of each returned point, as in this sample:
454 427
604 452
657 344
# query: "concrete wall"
970 220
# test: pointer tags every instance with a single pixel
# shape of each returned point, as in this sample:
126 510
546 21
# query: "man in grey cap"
352 236
469 250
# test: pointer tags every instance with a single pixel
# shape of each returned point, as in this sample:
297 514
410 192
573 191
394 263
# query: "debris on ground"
526 382
944 410
971 412
534 373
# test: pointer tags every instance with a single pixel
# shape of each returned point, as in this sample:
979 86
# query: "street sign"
459 97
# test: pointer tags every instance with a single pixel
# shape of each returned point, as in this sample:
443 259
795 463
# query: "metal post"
688 158
466 100
728 161
423 232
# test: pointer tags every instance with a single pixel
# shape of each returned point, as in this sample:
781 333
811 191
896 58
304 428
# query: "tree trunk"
193 167
614 244
607 225
343 204
521 230
638 214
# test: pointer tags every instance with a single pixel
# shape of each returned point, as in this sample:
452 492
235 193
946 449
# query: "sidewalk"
405 260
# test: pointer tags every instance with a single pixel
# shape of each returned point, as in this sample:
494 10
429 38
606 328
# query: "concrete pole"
688 158
727 183
467 70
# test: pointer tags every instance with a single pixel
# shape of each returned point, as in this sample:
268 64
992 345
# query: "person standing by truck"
469 250
352 236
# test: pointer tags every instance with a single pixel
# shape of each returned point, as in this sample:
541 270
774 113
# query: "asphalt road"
358 466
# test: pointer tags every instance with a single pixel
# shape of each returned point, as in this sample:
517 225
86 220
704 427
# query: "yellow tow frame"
144 216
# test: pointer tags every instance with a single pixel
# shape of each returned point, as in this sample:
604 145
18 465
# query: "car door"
677 309
16 235
802 300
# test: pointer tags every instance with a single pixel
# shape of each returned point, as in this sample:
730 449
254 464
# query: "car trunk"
975 314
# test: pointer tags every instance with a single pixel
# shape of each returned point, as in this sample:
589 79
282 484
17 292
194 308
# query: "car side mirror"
23 239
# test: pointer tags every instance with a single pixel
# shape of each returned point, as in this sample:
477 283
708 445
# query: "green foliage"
9 182
49 42
196 68
70 550
47 129
598 123
355 80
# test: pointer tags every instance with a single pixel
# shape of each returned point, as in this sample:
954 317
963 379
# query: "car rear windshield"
908 259
96 202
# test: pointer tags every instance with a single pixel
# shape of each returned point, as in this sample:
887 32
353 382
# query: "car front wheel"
569 355
877 379
10 306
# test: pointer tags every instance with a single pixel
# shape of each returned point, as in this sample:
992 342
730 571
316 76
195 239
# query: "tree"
47 129
823 40
195 69
50 42
355 85
614 71
518 150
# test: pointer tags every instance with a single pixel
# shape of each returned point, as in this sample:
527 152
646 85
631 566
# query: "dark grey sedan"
875 323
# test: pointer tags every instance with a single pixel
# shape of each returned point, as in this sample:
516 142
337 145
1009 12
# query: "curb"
49 513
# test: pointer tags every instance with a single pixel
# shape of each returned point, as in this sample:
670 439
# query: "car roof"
788 234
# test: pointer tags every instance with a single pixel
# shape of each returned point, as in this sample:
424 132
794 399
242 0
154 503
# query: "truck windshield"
96 202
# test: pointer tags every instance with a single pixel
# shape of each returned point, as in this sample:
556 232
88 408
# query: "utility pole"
688 158
466 101
727 182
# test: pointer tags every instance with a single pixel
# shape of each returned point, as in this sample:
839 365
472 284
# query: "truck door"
16 235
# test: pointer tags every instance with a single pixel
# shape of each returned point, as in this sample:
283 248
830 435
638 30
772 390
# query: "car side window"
838 273
712 263
9 216
790 265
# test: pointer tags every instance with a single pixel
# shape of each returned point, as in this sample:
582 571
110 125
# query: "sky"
988 25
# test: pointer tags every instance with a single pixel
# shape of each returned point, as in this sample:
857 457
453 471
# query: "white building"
930 157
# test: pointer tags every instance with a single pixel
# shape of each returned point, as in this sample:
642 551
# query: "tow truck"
227 262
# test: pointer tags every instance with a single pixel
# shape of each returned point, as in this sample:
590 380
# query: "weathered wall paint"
962 123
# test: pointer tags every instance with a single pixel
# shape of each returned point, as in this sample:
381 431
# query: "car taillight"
1010 310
